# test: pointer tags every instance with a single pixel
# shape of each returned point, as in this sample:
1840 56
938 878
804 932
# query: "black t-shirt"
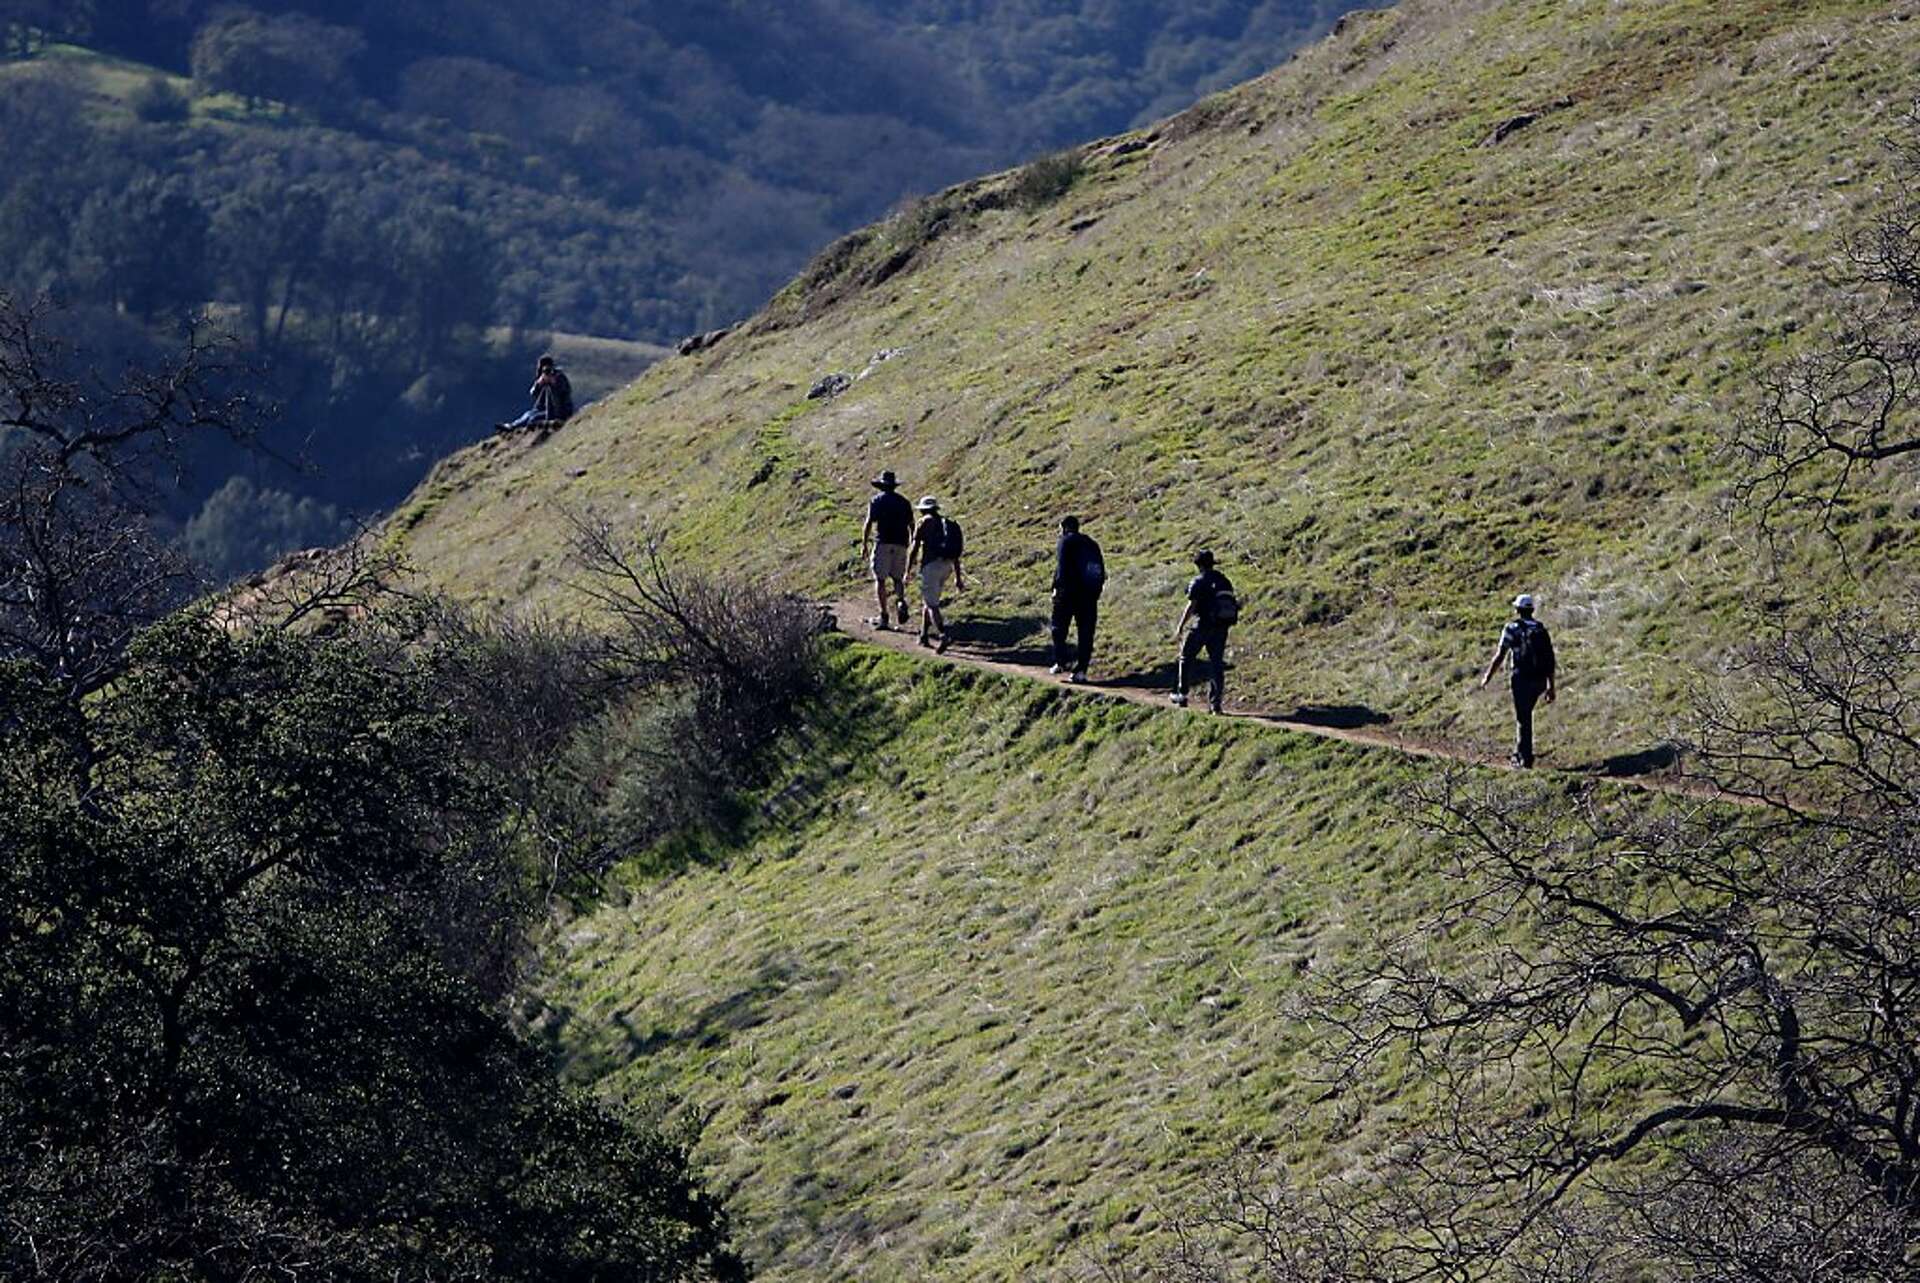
1070 574
892 517
1201 591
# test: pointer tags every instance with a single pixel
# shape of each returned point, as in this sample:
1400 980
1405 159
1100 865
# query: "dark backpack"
1223 606
1532 650
1093 571
951 541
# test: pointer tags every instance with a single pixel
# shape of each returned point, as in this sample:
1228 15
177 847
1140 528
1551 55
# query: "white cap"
1523 602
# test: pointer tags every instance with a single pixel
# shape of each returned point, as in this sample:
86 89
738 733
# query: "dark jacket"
554 396
1072 564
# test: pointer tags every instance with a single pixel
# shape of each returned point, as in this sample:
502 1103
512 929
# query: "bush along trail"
852 617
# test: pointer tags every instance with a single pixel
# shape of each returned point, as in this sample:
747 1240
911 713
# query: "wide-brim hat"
885 481
928 504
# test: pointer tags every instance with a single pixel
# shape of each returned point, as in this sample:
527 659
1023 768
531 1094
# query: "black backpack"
1532 649
952 542
1223 607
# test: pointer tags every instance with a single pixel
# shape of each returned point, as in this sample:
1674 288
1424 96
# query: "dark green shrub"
1044 181
158 102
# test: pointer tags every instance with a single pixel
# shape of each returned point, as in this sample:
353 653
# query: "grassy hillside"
1393 371
995 971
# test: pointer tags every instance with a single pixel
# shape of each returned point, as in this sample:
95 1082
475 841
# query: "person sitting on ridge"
1212 608
937 546
1525 638
552 395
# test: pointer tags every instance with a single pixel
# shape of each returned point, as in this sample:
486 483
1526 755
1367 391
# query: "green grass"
998 971
992 972
1392 374
996 974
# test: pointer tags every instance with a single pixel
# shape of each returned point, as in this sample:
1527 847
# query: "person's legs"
1086 620
1525 695
526 420
1216 641
933 582
1189 651
887 566
1062 620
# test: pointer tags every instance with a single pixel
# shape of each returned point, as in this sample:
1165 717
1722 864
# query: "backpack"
1223 607
952 541
1532 650
1093 571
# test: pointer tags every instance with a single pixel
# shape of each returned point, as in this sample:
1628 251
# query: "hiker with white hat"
889 516
1526 639
937 546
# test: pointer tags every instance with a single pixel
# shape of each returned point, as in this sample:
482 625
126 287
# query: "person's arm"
1553 667
913 549
1493 665
866 537
1059 566
959 580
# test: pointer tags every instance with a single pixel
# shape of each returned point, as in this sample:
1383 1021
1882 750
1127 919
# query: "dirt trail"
853 616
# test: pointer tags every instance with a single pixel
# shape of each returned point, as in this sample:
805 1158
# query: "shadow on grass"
1339 717
1009 639
714 1023
1159 677
1648 761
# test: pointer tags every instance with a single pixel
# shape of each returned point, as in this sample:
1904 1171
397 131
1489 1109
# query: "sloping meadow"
1459 303
995 973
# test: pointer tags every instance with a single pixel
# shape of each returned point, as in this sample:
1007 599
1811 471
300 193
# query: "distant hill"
650 169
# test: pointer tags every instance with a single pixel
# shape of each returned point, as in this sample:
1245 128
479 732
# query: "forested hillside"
366 194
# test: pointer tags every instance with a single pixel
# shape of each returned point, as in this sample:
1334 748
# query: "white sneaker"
1179 700
1077 677
1055 671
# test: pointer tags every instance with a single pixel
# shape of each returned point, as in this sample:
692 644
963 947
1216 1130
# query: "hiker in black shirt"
1525 638
890 518
552 394
1078 576
1212 608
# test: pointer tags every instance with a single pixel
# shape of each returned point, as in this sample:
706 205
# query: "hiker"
937 546
1525 638
1078 576
890 517
1212 608
552 394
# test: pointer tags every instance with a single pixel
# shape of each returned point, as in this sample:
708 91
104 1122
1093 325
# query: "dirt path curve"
853 616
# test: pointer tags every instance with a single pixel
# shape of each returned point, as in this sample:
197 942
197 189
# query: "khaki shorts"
890 562
933 579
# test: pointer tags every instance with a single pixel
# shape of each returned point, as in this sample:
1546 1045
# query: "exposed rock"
830 387
1514 124
701 342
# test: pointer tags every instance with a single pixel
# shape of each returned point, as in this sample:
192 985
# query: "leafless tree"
81 568
1681 1038
1845 408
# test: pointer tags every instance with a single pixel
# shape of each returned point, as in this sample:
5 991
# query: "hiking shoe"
1178 699
941 648
924 641
1055 670
1077 677
903 608
881 625
1216 708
